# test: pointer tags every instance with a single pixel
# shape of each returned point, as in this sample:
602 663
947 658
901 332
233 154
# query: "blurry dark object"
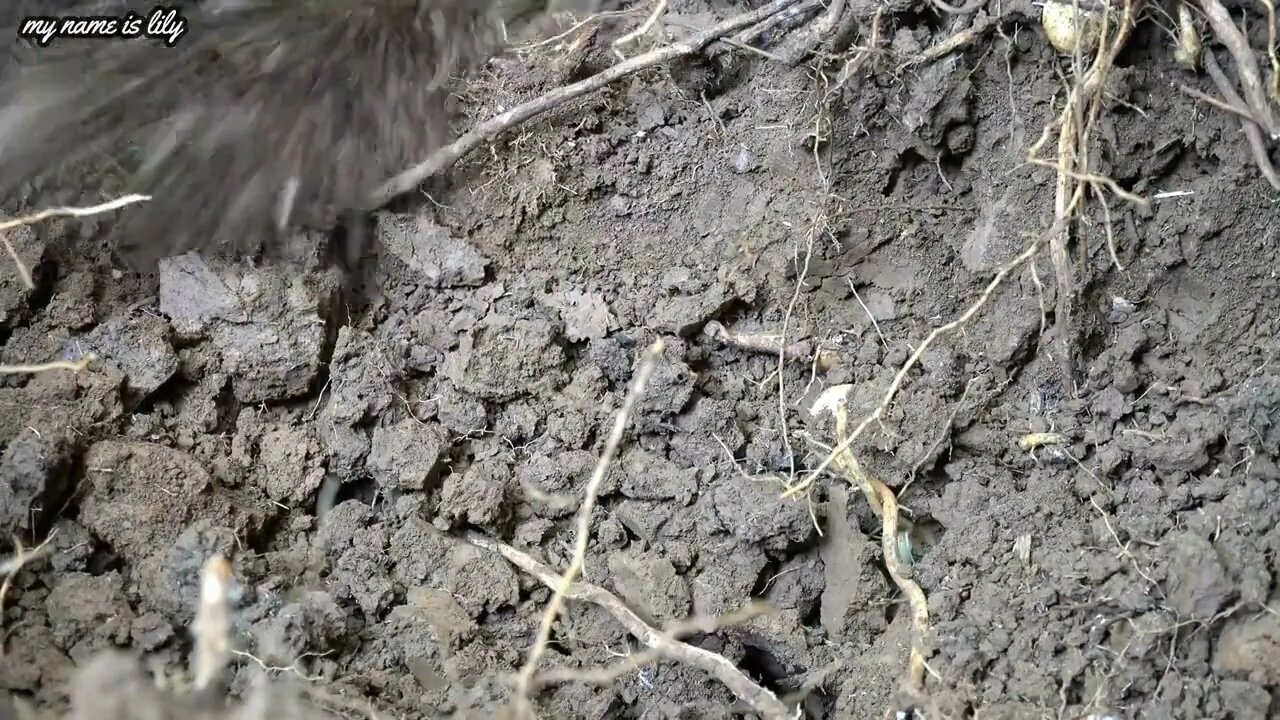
266 114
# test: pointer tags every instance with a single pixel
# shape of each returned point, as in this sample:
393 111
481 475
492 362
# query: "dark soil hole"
925 534
43 276
1145 42
763 666
813 618
907 163
363 489
559 642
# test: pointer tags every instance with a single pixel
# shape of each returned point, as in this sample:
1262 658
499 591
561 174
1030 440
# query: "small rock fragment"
477 496
504 357
586 316
754 511
270 324
139 346
406 455
193 295
89 607
650 585
727 572
139 496
170 576
1250 647
650 477
290 465
743 161
1198 585
34 474
436 258
481 581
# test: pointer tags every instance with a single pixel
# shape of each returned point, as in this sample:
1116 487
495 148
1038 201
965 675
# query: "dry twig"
486 131
761 700
563 586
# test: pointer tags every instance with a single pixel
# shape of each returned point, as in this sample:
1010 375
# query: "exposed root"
971 6
212 628
11 565
1273 48
861 55
1031 441
565 583
900 377
659 9
1075 125
41 215
761 700
884 503
486 131
814 33
753 33
943 435
1250 123
530 47
1190 48
801 350
956 42
1254 106
1255 93
606 676
73 365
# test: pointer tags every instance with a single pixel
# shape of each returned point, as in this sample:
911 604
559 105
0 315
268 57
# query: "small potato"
1065 25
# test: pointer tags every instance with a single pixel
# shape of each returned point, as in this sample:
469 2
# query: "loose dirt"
1127 570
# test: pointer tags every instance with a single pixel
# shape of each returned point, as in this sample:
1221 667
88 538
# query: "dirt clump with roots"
873 278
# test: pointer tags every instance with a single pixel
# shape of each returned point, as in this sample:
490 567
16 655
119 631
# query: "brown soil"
1127 572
